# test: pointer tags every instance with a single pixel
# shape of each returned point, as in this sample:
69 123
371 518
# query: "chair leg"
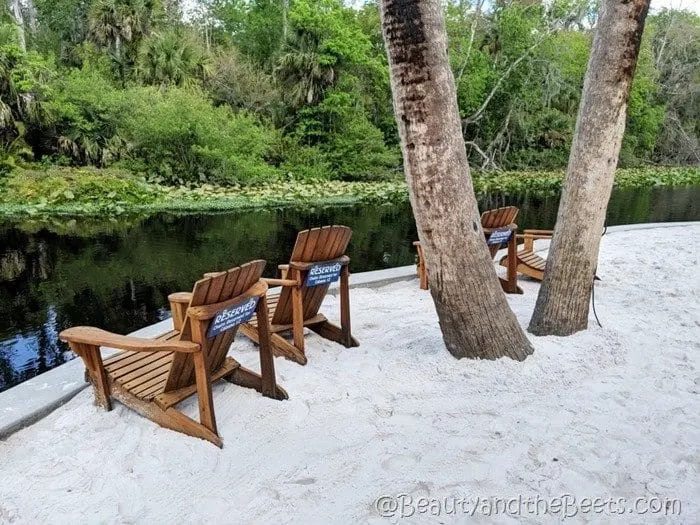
298 314
283 348
345 308
95 372
168 418
423 277
422 269
204 395
267 362
241 376
333 332
511 283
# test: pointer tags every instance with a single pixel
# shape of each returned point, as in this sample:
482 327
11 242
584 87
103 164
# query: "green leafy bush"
550 182
178 136
304 163
352 146
358 152
86 112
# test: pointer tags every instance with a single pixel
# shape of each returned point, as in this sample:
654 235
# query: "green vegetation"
287 95
88 191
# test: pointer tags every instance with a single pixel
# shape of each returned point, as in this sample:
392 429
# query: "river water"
117 274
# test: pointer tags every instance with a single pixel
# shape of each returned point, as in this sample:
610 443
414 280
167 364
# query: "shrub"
85 114
359 153
304 163
352 146
178 136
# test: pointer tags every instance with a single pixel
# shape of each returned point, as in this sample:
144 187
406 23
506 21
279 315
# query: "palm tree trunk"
564 297
474 315
285 23
118 48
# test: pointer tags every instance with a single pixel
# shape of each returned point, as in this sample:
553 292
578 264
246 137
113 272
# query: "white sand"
617 407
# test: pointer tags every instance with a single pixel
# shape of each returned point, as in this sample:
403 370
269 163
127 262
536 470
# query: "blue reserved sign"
324 273
232 316
499 236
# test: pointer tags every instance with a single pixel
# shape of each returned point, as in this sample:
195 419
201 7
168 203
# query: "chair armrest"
530 236
543 233
521 236
416 243
89 335
178 307
343 259
284 270
281 282
180 297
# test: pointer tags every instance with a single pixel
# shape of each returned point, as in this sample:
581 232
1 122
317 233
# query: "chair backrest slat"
314 245
216 284
213 288
499 217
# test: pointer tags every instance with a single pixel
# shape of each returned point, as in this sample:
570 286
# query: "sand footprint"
8 515
400 462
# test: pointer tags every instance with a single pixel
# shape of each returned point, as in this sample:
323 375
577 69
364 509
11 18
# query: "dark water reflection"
117 274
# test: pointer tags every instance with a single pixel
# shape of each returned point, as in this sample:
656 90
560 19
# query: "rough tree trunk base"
555 326
563 301
499 335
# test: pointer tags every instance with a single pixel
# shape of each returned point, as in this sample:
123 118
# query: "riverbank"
606 413
91 192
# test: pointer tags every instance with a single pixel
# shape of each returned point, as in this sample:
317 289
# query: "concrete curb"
649 226
28 402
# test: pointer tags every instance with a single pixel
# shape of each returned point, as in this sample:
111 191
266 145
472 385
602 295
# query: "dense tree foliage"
245 91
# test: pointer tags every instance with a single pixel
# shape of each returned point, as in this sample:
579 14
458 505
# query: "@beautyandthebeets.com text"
565 506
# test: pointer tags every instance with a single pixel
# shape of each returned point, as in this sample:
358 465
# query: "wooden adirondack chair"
491 220
151 376
297 305
528 262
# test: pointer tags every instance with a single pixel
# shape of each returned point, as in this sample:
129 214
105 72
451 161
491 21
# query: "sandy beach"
398 431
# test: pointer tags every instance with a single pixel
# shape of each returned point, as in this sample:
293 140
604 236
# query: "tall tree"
120 25
564 297
302 72
174 57
474 315
17 10
676 47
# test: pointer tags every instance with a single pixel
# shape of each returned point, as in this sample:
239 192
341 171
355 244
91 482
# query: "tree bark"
475 319
564 297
